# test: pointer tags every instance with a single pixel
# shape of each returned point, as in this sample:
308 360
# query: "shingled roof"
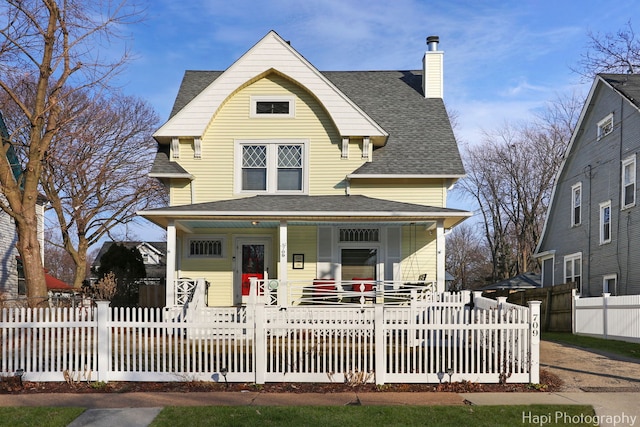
627 84
421 141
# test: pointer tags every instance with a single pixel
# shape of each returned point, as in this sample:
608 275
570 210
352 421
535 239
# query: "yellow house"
278 170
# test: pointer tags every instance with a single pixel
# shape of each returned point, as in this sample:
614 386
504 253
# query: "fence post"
380 344
259 348
605 315
534 342
574 314
103 334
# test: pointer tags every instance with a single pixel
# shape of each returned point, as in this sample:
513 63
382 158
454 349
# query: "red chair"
364 285
324 289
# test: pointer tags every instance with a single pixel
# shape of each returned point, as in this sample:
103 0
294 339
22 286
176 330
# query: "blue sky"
503 59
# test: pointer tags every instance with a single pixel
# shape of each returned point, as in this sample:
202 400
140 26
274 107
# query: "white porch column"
440 257
282 272
171 264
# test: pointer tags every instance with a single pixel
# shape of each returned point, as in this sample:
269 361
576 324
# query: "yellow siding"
214 171
424 260
430 192
302 240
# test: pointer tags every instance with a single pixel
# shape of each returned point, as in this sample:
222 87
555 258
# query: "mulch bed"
11 385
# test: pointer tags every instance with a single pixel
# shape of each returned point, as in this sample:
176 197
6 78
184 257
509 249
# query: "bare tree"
98 177
617 52
510 175
467 257
50 46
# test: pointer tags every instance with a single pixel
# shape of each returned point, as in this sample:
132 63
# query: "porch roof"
314 209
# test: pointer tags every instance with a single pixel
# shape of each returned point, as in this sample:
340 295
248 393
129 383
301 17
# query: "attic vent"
359 234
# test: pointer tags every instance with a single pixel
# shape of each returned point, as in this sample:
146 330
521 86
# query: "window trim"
603 206
631 160
223 246
605 126
575 258
272 165
576 188
254 99
606 278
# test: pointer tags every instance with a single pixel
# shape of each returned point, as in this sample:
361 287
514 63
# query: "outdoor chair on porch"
364 287
324 290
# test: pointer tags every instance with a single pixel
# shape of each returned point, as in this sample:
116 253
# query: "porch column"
282 272
171 264
440 257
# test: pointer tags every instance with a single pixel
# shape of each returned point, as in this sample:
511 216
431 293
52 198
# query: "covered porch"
337 245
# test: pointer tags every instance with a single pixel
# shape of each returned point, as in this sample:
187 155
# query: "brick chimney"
432 69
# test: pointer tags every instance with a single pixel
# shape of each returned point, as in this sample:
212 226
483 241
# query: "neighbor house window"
272 106
271 167
205 247
629 182
609 282
576 204
605 222
605 126
573 270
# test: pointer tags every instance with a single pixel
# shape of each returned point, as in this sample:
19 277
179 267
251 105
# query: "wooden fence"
556 304
446 339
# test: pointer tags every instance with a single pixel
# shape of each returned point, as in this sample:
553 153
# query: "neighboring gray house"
592 231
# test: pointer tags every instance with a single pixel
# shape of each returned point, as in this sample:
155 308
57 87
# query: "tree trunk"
29 248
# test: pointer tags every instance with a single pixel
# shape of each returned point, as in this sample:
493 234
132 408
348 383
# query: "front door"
252 260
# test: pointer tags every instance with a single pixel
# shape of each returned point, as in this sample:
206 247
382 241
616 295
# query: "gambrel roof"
418 140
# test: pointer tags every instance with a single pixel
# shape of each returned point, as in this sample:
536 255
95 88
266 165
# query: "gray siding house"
592 230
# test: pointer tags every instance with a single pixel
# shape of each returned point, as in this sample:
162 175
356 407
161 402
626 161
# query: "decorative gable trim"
175 147
197 147
270 54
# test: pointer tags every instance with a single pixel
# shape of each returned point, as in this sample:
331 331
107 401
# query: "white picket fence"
608 317
445 339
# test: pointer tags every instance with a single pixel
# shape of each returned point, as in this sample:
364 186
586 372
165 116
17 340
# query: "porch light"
255 222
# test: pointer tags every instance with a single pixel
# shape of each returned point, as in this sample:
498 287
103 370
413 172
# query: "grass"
38 416
622 348
355 416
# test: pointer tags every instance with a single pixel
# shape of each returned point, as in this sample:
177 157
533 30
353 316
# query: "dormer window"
605 126
272 106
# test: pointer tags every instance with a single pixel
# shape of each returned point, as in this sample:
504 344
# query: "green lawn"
38 416
355 416
618 347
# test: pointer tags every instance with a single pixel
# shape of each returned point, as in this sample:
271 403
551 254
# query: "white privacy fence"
452 337
608 317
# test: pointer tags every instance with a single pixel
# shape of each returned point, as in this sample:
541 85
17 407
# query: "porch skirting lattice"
427 342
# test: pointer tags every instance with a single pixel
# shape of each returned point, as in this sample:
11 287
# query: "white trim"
270 54
605 279
404 176
603 206
344 152
272 165
576 260
171 175
197 147
175 147
215 237
631 160
254 99
366 144
577 187
605 126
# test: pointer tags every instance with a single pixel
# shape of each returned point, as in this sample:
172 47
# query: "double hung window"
605 222
629 182
576 204
272 166
573 269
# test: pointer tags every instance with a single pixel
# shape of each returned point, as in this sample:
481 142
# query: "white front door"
252 260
